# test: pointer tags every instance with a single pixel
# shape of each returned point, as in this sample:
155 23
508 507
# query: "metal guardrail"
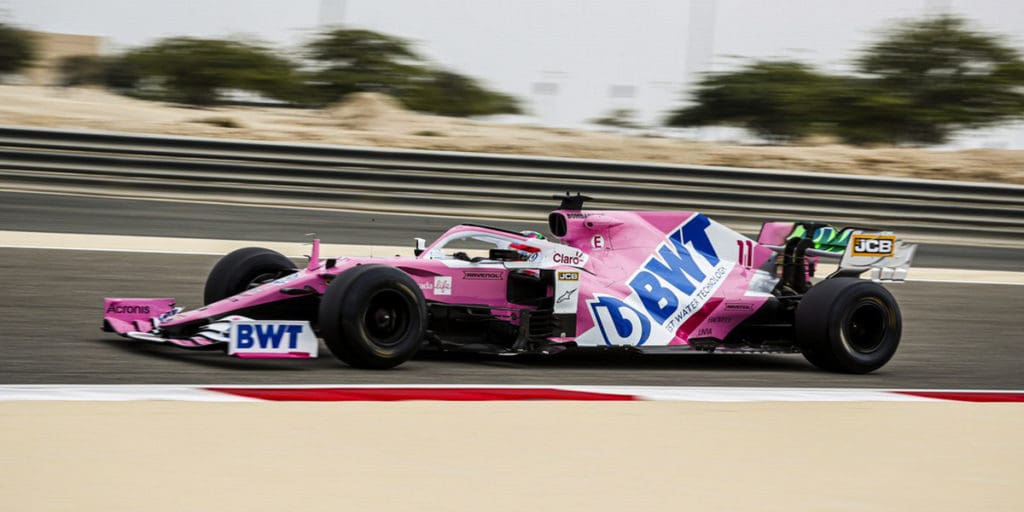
478 185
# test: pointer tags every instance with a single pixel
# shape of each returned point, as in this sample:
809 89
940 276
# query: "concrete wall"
52 47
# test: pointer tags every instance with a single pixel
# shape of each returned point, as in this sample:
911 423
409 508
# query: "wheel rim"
387 317
865 327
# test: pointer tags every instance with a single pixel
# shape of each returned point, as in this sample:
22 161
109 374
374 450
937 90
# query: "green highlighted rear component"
825 238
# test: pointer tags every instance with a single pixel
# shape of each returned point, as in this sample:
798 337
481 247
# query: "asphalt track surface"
955 335
112 216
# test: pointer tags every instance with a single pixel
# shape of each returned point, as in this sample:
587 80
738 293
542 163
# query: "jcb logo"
568 276
873 245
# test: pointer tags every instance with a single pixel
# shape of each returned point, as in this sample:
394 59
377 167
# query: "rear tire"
242 269
373 316
848 325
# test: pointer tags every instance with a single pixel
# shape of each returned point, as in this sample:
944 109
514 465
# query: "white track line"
170 245
102 393
201 393
966 281
215 247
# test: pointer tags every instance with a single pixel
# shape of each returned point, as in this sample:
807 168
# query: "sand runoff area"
367 119
511 456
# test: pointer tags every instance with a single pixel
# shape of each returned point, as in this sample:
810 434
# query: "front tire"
848 325
242 269
373 316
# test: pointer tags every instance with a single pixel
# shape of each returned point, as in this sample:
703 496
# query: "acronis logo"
672 284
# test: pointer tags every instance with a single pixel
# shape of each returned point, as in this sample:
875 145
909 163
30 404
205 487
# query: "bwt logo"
873 245
267 336
271 338
620 323
662 286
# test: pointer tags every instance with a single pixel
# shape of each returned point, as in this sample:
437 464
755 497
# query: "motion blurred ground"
511 456
367 119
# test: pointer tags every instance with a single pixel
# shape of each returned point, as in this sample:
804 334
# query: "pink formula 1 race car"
649 281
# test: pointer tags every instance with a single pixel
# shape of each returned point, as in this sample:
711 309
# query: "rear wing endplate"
883 254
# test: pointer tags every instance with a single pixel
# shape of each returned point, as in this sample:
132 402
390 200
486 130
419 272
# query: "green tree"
354 60
17 49
450 94
124 73
931 77
198 71
82 70
922 81
778 100
618 118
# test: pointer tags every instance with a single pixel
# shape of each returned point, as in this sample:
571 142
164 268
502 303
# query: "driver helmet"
532 234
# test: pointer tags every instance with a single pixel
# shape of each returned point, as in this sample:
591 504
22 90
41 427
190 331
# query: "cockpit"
468 242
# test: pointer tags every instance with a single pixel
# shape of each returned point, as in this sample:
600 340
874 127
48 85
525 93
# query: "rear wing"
857 250
883 254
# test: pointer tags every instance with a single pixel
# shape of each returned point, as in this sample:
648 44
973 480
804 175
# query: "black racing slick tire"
848 325
373 316
242 269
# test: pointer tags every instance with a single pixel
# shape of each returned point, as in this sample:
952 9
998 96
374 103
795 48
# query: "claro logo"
130 310
567 259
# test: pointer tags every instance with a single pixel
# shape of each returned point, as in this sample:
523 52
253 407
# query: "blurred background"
942 74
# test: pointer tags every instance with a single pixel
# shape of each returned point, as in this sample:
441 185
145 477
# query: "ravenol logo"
670 286
267 337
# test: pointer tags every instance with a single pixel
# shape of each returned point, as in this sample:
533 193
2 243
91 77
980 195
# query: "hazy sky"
601 53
